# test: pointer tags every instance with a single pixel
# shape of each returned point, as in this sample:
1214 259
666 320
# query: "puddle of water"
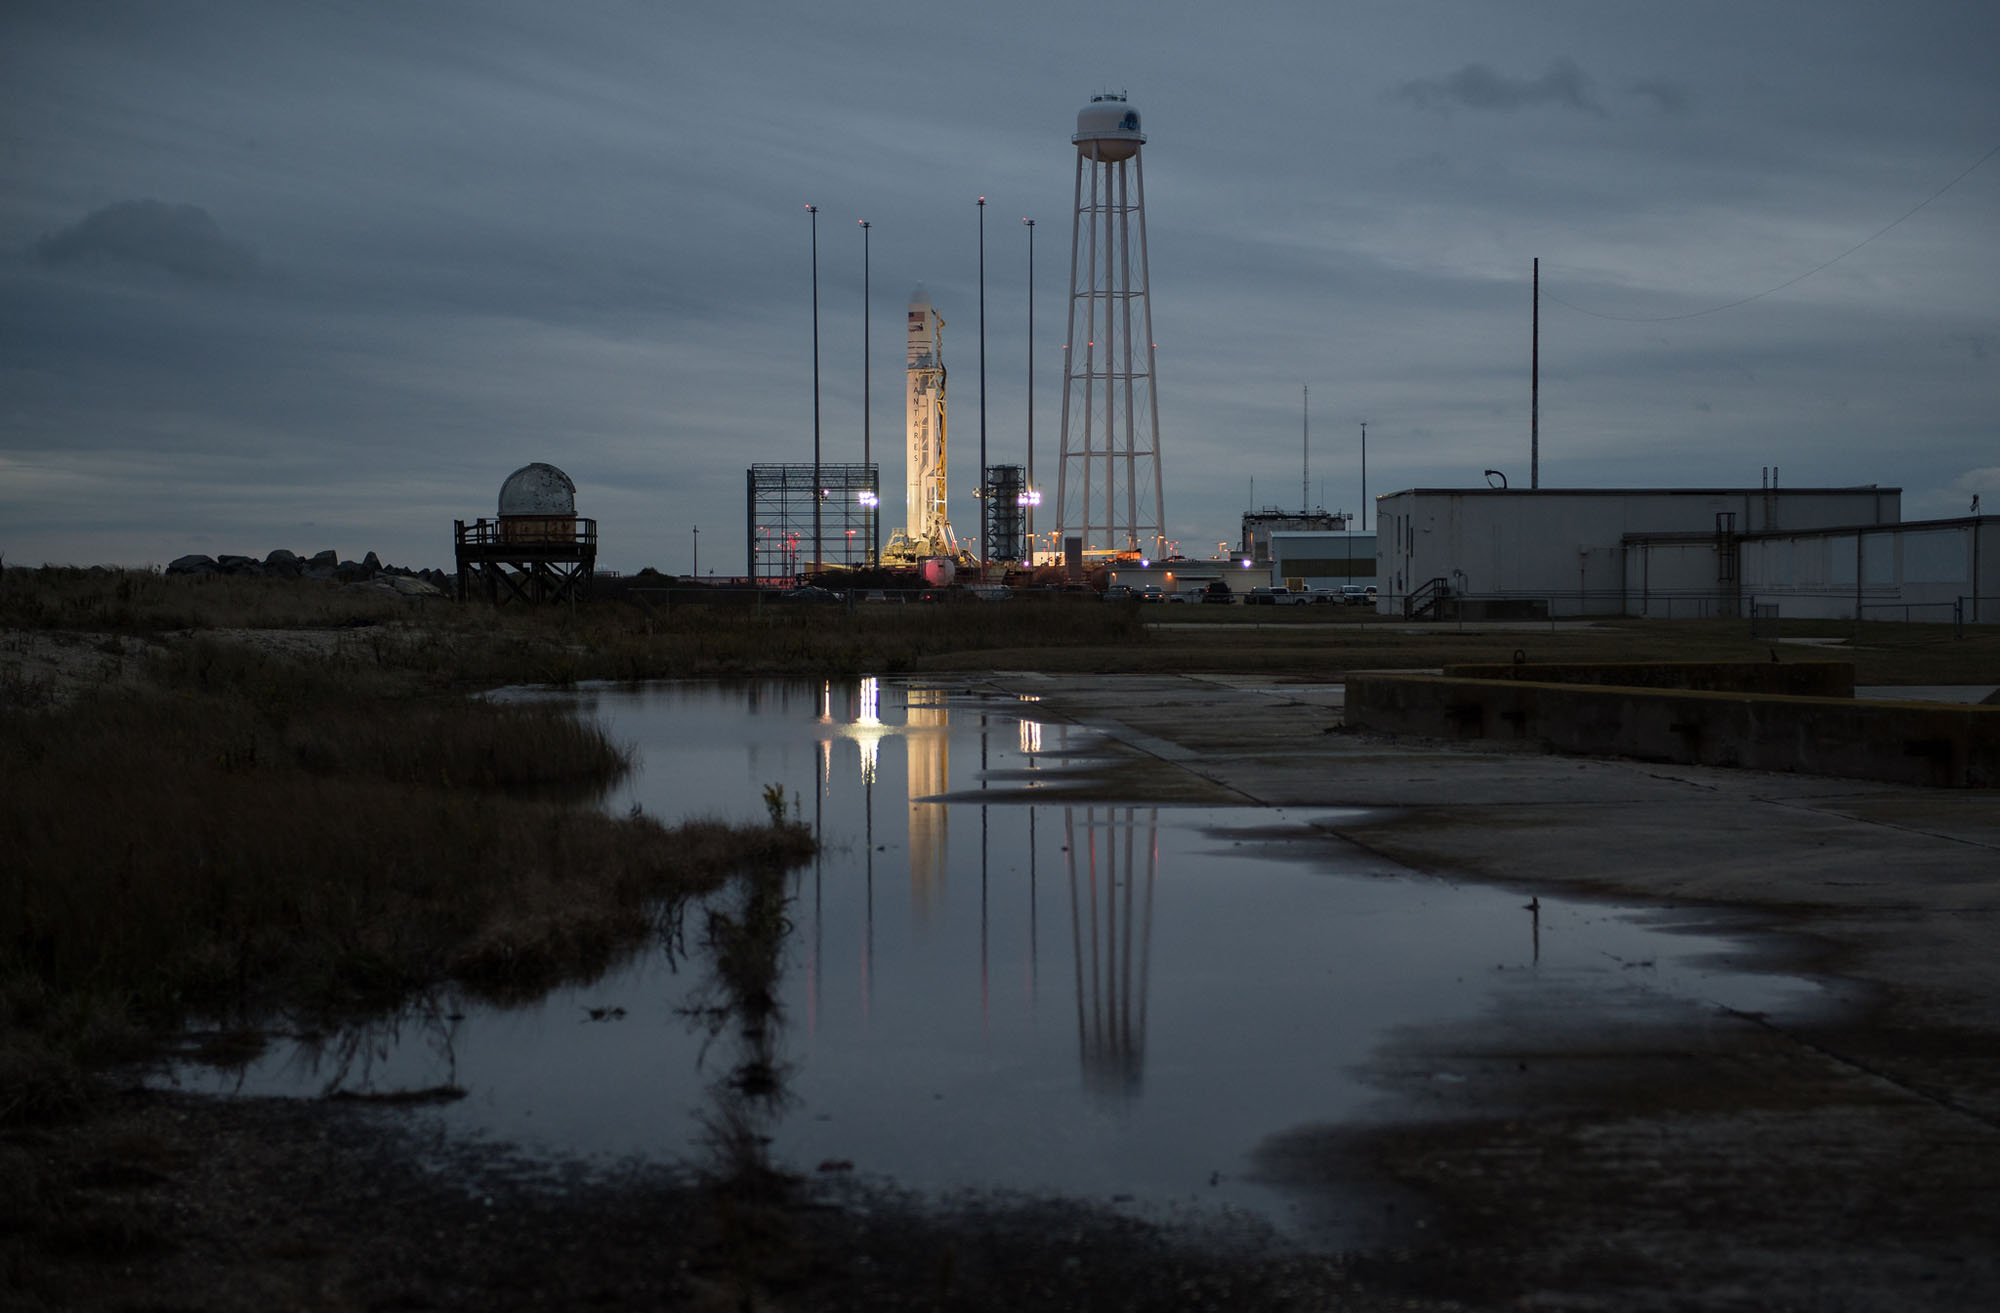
1110 1002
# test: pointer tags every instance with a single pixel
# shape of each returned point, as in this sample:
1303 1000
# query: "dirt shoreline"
1561 1153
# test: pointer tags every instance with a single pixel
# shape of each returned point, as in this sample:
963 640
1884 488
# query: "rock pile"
368 572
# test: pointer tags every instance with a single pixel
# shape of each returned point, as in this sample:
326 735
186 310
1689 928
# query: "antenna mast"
1305 450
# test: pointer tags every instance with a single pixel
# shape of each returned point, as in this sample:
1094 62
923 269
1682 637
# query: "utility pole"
1535 389
697 553
1364 476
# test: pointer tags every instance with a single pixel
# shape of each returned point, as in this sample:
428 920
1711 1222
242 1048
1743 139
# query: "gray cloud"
1667 97
182 240
1475 86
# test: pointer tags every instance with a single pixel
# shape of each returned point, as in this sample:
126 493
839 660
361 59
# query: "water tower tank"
537 504
1111 125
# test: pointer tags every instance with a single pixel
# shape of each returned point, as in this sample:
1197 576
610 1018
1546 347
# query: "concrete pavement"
1587 1157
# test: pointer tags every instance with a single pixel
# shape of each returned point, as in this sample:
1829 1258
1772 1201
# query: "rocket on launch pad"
927 528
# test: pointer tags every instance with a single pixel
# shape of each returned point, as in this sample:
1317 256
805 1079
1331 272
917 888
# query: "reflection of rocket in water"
929 748
1111 920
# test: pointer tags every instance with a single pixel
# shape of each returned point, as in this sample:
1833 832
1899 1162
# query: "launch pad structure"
785 504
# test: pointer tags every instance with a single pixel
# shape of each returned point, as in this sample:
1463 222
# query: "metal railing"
527 531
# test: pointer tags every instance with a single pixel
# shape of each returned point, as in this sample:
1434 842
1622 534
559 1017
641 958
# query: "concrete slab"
1590 1154
1959 693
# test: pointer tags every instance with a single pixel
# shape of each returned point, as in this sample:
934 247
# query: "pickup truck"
1276 596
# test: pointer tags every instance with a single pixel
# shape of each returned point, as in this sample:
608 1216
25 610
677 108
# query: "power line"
1731 305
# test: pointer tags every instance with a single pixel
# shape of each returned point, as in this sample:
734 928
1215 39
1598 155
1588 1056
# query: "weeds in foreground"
256 833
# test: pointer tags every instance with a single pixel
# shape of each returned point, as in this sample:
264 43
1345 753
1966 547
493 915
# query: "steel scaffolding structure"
784 507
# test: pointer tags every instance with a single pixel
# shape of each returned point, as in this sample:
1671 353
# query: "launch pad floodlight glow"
1029 498
869 500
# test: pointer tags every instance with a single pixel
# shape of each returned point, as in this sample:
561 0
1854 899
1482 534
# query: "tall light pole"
697 553
874 540
813 210
1033 495
1535 388
1364 476
982 391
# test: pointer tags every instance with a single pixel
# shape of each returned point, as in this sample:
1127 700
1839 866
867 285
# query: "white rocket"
927 528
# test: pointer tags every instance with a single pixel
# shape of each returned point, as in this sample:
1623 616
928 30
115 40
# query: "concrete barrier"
1813 679
1902 742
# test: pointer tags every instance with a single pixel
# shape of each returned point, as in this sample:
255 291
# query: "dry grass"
141 601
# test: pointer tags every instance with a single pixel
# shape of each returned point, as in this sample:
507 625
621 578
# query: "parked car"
1151 593
1118 593
1219 593
1356 595
1317 595
1278 595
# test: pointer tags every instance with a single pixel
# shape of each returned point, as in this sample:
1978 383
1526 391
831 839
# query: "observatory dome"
538 489
1110 124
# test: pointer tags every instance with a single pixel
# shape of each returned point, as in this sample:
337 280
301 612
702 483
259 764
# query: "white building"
1572 551
1930 570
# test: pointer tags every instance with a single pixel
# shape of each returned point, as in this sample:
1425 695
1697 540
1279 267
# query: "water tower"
1108 490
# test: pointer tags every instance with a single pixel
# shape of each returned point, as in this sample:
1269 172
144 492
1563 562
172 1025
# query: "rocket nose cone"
920 298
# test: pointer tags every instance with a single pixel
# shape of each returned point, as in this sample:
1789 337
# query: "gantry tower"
1108 489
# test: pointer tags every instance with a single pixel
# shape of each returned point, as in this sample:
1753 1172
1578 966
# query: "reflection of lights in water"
826 702
1031 737
929 749
1027 697
1103 900
866 728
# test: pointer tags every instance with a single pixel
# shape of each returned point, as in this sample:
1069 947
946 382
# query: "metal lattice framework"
1006 495
1109 488
782 501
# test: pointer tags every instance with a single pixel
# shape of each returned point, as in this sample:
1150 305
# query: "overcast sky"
315 275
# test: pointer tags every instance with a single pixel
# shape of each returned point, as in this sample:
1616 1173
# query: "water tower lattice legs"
1110 489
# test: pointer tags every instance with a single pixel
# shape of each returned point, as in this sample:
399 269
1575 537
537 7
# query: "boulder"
326 560
282 562
371 563
196 564
239 565
396 586
413 587
350 572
